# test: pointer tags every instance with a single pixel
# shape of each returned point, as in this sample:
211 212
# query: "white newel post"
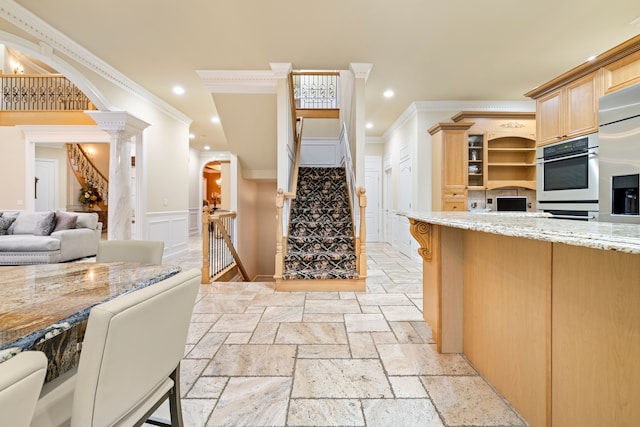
121 127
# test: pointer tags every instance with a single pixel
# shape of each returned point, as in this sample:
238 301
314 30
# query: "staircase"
320 242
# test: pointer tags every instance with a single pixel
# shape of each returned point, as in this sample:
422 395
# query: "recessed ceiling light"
388 93
591 58
206 147
215 119
192 136
178 90
369 125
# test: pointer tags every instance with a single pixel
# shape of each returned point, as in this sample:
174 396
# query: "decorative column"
121 127
361 74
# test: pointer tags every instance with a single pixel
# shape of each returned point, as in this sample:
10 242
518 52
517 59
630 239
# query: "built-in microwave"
567 173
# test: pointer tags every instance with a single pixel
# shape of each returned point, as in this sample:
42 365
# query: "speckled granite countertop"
38 302
592 234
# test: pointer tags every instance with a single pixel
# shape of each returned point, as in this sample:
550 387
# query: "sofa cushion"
87 220
27 243
26 222
5 223
65 221
45 225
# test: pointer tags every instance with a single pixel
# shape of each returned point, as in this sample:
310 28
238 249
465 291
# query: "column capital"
114 122
281 70
361 70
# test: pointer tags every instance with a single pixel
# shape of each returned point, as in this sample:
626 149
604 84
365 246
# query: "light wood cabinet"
449 164
569 111
567 106
496 150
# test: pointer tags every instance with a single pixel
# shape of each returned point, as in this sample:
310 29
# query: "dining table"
45 307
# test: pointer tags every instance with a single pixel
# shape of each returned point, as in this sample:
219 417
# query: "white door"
402 232
388 203
46 184
372 184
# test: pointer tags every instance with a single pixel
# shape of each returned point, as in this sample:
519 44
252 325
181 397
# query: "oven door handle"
573 217
590 154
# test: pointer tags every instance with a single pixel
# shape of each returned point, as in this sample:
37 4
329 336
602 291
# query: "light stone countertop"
38 302
539 226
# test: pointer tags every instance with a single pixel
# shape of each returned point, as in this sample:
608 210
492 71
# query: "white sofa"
47 237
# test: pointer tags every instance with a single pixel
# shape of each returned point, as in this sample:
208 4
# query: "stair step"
319 214
338 244
305 228
302 256
333 274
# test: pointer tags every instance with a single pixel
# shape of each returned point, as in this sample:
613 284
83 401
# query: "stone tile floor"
256 357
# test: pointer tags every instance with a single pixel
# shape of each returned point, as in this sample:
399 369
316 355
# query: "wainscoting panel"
194 221
320 152
172 228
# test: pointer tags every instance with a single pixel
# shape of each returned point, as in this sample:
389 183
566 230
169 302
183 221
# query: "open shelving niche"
476 180
510 162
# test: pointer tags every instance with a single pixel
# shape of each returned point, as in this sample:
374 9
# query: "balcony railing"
35 92
315 91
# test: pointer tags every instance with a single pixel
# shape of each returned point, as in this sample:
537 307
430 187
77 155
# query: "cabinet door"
549 123
455 160
582 106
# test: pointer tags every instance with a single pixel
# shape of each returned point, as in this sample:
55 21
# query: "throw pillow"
65 221
5 223
45 225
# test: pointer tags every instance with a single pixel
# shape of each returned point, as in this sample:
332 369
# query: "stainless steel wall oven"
567 178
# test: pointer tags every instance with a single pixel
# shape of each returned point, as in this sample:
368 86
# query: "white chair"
144 251
130 359
21 379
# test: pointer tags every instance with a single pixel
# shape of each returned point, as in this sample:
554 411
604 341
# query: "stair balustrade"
220 261
87 174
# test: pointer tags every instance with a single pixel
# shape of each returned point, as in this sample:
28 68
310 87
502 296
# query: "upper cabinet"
495 150
567 106
569 111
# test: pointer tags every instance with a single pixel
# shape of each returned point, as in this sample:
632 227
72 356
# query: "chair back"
21 379
132 344
144 251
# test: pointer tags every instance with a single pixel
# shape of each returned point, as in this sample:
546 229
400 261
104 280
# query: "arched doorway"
212 185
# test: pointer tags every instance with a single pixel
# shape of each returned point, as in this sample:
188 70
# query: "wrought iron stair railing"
220 260
86 173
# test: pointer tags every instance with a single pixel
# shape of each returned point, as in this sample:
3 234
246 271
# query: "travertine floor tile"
400 412
325 412
249 360
252 401
366 323
407 387
282 314
401 313
311 333
340 378
466 401
331 306
421 359
343 358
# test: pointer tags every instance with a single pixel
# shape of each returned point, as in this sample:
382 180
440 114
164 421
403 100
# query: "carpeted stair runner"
320 240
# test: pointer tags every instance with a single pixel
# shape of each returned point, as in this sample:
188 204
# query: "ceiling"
424 50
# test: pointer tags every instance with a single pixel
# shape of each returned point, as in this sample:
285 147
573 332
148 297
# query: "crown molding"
426 106
51 38
64 134
240 81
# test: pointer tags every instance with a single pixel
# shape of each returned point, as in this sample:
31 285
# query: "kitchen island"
547 310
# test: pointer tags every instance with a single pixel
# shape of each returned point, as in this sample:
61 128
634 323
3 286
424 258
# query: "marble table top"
592 234
38 302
